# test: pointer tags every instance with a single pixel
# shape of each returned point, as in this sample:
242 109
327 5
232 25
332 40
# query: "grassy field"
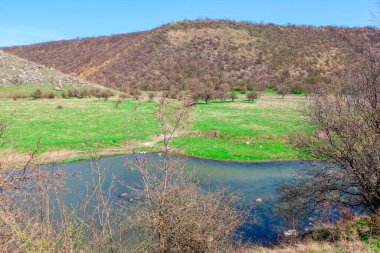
246 131
240 130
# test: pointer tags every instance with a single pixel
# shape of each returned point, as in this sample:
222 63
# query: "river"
250 180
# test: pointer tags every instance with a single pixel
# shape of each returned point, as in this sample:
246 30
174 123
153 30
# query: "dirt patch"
12 159
242 106
210 134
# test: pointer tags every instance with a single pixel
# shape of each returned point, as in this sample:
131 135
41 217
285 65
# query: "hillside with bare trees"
189 54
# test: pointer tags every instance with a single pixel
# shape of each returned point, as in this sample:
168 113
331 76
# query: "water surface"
250 180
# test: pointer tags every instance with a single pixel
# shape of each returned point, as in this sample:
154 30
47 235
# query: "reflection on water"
251 180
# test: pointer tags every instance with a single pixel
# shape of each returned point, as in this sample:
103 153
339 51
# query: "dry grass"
315 247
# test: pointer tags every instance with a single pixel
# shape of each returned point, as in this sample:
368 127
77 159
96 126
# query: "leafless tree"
232 96
207 95
175 214
252 96
283 89
195 96
221 95
347 140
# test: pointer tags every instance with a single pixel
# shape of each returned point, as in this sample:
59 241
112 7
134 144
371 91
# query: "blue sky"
31 21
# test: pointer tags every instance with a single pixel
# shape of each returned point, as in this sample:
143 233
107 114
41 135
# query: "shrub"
99 93
65 94
123 96
133 92
84 93
72 93
173 94
49 95
18 96
106 94
37 94
118 102
174 213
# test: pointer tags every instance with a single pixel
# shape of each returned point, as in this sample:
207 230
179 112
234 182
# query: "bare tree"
283 89
207 95
221 95
175 214
232 96
252 96
348 140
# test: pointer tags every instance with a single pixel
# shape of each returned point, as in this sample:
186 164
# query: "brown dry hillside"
188 54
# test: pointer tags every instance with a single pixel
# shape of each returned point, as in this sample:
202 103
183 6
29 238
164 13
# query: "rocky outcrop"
15 70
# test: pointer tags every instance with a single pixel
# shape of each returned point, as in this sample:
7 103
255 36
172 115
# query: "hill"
189 54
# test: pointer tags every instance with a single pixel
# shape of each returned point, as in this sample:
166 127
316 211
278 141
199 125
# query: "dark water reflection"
251 180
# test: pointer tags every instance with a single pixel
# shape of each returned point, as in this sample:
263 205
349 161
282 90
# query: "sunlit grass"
245 131
240 130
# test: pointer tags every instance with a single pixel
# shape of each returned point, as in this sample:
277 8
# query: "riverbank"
15 161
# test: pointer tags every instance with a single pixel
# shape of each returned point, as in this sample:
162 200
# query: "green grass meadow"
80 123
247 131
240 130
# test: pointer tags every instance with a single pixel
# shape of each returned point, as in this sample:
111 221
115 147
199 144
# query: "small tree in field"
259 88
252 96
283 89
222 92
221 95
207 95
232 96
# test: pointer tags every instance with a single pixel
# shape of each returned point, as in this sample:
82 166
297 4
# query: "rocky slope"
15 70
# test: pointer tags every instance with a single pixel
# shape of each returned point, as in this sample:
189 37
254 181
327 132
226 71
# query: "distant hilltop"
190 54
